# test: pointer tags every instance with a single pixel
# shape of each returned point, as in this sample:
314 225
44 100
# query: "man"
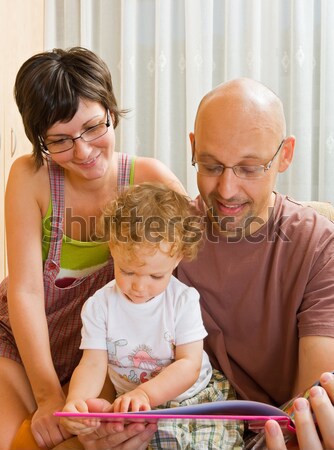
266 271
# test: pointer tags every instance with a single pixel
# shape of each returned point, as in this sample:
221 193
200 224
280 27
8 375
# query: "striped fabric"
62 305
125 170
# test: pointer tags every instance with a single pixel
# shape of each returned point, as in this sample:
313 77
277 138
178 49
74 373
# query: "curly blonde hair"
150 214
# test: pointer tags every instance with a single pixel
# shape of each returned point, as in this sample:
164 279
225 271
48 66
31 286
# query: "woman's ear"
287 153
113 120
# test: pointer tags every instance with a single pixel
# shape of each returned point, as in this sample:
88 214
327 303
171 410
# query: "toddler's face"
146 276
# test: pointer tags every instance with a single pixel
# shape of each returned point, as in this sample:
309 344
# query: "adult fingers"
324 415
307 435
133 437
327 382
274 436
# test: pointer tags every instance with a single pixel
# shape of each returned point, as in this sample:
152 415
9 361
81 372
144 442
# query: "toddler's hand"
77 425
136 400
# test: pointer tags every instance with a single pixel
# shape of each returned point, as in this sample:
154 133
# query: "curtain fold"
164 55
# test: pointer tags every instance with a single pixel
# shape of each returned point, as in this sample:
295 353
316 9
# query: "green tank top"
78 258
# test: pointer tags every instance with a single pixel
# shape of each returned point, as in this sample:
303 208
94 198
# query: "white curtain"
164 55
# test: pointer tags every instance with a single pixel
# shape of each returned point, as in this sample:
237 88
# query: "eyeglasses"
244 172
65 144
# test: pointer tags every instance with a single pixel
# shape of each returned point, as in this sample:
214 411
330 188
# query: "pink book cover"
255 413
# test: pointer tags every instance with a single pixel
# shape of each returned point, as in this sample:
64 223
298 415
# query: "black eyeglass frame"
46 151
265 167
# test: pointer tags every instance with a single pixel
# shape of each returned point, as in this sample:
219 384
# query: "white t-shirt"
140 338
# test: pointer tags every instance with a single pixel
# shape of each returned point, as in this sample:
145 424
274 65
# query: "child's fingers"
79 426
121 404
91 423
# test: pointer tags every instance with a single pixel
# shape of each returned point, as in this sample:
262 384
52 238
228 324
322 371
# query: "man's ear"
287 153
192 142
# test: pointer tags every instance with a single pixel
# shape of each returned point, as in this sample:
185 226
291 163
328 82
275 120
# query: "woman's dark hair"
49 86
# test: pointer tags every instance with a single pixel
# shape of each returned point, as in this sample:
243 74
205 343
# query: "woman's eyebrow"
82 126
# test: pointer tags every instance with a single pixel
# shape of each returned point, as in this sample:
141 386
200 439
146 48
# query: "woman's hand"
112 435
320 401
45 427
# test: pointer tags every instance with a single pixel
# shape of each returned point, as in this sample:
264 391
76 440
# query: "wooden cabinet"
22 35
2 151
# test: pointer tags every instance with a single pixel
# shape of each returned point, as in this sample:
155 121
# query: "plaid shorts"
201 435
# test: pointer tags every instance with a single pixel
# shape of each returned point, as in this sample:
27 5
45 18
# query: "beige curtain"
165 54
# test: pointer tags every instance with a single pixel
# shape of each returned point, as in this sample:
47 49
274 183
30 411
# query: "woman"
55 260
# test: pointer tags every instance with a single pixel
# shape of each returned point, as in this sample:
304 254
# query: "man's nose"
228 183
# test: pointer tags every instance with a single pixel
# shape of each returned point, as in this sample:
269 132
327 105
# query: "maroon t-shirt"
261 293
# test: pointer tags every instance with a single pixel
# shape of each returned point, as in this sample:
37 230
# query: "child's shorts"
197 434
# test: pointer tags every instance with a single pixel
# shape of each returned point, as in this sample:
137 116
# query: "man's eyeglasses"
244 172
65 144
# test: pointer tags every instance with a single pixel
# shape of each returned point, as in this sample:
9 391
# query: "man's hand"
321 399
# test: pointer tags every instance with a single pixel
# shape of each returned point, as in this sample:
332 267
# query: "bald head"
241 100
240 124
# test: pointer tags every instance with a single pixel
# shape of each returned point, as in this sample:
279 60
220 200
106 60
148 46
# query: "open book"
255 414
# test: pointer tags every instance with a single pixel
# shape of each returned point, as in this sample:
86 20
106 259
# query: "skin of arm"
23 209
153 170
86 382
171 382
316 355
